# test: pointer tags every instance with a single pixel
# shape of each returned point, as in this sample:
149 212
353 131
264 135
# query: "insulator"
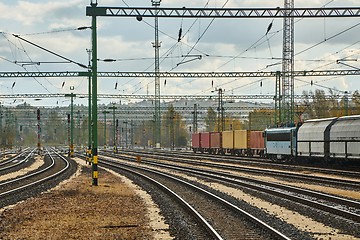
269 28
180 33
109 60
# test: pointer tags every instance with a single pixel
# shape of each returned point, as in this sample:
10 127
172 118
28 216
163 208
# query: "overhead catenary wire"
319 60
49 51
199 38
36 69
269 34
24 51
171 49
57 31
325 40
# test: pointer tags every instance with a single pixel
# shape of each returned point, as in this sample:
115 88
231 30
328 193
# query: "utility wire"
199 38
37 69
57 31
58 55
333 36
170 50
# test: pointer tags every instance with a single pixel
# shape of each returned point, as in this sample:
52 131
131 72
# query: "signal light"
68 118
38 114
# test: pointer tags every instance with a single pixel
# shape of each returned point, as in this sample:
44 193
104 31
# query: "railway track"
317 203
22 187
352 182
252 161
225 220
16 162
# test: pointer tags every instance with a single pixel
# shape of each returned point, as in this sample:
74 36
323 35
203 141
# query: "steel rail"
192 210
38 181
249 183
6 162
275 233
180 158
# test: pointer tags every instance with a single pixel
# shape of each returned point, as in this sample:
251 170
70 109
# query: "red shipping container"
195 140
205 140
215 140
256 140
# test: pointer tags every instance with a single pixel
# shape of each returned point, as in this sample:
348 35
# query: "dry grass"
78 210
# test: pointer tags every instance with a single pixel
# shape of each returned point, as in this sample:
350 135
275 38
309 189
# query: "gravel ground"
181 224
77 210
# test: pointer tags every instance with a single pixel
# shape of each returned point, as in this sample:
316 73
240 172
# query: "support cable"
49 51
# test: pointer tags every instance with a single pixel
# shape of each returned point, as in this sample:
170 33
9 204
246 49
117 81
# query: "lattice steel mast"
287 115
156 45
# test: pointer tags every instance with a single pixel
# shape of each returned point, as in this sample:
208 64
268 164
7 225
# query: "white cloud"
123 38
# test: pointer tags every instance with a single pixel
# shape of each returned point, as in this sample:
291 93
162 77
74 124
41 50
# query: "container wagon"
314 138
227 142
345 138
216 143
256 143
195 142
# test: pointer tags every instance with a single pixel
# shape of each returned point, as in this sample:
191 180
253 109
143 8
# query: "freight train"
327 139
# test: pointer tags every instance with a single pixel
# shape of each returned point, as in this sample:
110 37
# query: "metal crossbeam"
43 74
150 97
179 74
223 12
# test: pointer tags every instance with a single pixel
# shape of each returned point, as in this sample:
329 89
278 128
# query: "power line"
325 40
49 51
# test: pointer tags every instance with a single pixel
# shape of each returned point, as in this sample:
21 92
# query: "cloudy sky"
223 44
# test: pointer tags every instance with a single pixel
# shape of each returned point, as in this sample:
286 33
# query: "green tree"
323 106
260 119
174 132
355 102
210 120
52 128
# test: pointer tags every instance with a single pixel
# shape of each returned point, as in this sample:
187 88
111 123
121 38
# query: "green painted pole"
78 129
94 100
115 148
72 126
71 95
104 112
346 103
88 158
114 128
